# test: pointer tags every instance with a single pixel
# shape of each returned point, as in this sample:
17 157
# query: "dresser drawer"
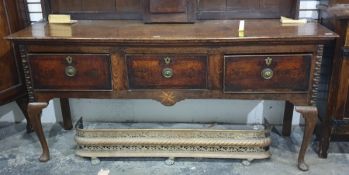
167 71
70 71
267 73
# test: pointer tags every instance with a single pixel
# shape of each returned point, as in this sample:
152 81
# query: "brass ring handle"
167 73
267 73
70 71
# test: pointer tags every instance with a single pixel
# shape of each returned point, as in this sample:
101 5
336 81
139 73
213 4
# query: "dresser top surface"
202 31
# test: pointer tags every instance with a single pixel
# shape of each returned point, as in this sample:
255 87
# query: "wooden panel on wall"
103 6
8 69
60 6
241 5
167 6
64 6
235 9
170 11
128 6
209 5
207 9
11 20
8 76
270 4
95 9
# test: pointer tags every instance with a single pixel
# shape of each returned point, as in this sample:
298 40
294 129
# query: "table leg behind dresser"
34 113
324 142
65 107
287 123
310 114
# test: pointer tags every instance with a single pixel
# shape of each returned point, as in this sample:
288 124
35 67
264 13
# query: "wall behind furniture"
233 111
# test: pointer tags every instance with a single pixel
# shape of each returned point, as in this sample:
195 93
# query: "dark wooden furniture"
334 122
13 17
169 11
126 59
173 10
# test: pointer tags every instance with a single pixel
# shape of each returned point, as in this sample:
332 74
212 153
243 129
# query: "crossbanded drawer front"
267 73
167 71
79 72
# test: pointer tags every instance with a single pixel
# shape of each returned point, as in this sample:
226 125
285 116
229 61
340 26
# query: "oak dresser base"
280 65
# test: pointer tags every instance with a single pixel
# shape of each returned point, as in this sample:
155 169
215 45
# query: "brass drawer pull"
69 59
167 73
268 61
267 73
70 71
167 60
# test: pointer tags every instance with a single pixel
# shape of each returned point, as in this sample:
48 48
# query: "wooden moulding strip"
260 142
220 155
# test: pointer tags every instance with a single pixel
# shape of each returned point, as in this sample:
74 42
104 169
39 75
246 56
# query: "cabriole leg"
310 114
34 113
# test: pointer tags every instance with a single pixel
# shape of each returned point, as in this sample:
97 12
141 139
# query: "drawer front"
267 73
86 72
167 72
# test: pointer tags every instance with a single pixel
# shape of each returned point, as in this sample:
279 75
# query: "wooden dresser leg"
310 115
23 105
34 113
65 107
287 123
